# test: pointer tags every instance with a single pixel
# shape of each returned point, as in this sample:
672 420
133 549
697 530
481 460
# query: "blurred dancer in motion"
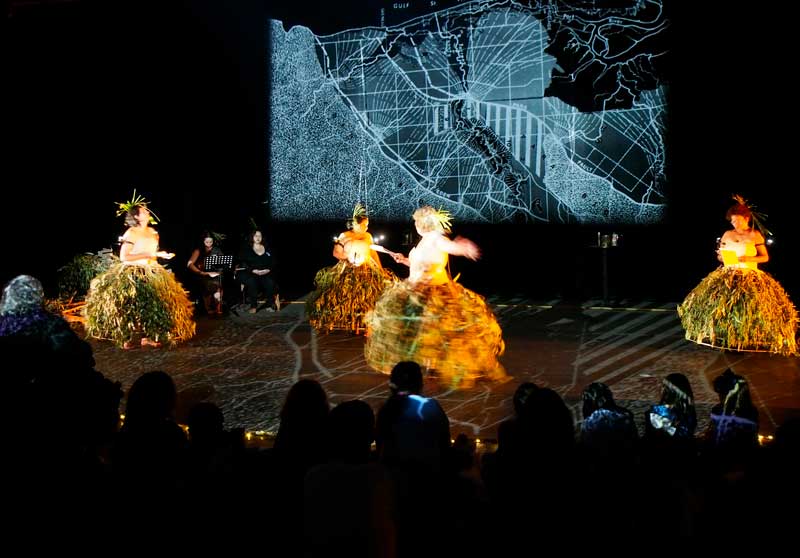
432 320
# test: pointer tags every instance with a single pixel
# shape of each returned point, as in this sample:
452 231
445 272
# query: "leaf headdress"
434 219
123 208
359 211
758 217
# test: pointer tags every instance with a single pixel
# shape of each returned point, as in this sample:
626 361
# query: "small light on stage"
770 240
249 436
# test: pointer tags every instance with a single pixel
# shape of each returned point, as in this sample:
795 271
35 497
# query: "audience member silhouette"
674 417
534 464
669 456
734 420
149 457
608 456
349 504
23 314
299 445
607 430
411 430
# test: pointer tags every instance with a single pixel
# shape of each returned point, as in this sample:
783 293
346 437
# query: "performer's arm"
192 265
762 256
338 247
400 258
459 246
379 248
125 248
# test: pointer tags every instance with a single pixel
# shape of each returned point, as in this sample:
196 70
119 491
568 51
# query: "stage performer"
209 280
137 297
345 292
431 319
256 272
739 307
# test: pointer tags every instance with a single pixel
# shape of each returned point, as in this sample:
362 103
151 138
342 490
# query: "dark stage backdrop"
172 98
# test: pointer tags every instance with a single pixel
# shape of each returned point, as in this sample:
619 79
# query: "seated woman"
348 290
738 307
674 417
255 270
138 296
431 319
734 420
210 281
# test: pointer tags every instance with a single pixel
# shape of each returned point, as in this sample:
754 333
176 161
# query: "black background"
169 97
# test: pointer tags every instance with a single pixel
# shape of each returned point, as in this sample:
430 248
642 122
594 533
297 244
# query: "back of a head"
152 398
306 398
406 377
21 295
596 396
205 421
352 430
304 415
676 387
548 419
521 396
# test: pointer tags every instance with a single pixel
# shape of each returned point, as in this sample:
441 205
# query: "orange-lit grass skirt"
446 328
147 300
740 310
344 294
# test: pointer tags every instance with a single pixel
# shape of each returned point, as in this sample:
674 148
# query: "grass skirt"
344 294
130 300
447 328
740 310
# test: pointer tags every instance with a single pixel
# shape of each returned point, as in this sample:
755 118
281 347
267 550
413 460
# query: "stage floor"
246 364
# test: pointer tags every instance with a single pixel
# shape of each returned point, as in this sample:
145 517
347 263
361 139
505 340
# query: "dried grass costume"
141 298
739 307
436 322
346 292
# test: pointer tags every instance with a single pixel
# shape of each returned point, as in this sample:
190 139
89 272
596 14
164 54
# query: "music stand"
219 264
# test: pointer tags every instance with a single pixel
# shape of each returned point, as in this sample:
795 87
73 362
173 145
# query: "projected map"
498 111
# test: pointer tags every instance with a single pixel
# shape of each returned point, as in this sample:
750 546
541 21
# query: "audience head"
597 396
676 390
734 394
152 398
205 421
521 396
21 295
406 377
352 430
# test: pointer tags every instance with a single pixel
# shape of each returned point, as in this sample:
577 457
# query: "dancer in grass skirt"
433 320
137 297
345 292
739 307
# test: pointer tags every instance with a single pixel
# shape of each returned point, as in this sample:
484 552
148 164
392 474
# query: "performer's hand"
165 255
469 249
